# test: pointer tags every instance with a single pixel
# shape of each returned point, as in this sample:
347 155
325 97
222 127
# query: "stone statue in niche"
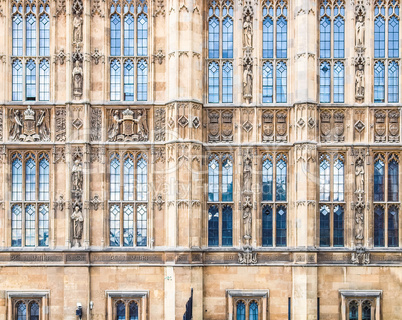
247 220
360 31
77 79
77 29
44 132
247 83
247 174
78 224
77 176
16 125
359 222
359 85
359 175
247 32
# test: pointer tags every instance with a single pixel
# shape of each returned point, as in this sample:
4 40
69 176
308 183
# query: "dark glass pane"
227 180
267 181
241 311
30 80
267 226
141 226
21 311
16 226
393 227
253 313
128 226
393 181
227 226
338 226
114 226
379 178
324 226
366 309
353 311
43 233
133 311
281 226
213 181
120 311
281 180
213 226
34 312
379 227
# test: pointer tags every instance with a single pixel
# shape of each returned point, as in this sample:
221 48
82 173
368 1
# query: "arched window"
21 311
30 185
34 311
133 311
274 50
131 205
253 312
120 311
220 191
353 311
281 177
35 16
393 178
379 178
386 48
332 180
332 49
129 28
393 226
220 49
267 178
366 310
241 311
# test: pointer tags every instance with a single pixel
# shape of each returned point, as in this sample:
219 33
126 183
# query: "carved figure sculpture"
142 123
114 127
247 32
77 29
359 85
77 79
16 125
359 176
44 132
78 221
77 176
247 174
247 82
359 219
360 30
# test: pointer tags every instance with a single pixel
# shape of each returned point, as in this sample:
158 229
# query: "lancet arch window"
274 51
332 51
247 309
386 51
220 200
220 51
30 56
30 199
129 55
386 200
332 200
128 200
274 199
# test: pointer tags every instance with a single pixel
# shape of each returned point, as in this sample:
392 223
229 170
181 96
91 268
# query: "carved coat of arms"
267 126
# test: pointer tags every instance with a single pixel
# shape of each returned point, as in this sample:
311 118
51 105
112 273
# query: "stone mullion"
86 50
69 51
6 181
86 194
68 188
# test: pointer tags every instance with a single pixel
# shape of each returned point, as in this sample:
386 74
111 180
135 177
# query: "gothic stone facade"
178 132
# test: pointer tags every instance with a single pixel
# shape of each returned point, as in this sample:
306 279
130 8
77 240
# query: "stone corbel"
159 56
159 201
95 202
97 56
59 204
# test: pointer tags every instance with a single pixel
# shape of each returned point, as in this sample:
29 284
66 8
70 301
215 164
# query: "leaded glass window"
30 194
386 200
127 309
274 199
128 201
274 51
386 51
220 200
30 50
129 51
220 51
332 200
332 51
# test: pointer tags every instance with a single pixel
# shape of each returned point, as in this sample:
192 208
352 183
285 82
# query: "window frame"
29 296
234 296
136 156
136 59
360 296
140 296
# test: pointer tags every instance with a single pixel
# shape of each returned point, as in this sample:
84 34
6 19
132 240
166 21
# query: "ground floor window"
247 304
361 305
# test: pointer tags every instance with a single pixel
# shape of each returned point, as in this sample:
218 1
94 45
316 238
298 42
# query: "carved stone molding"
220 126
159 154
29 125
160 8
361 256
59 154
97 154
96 202
159 56
332 125
96 9
159 202
128 125
60 57
160 126
97 56
60 7
247 256
96 124
59 204
1 124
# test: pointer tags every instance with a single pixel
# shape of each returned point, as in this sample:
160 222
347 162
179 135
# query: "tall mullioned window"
220 51
129 50
332 200
274 51
128 200
30 199
386 51
332 51
386 200
220 200
274 200
30 50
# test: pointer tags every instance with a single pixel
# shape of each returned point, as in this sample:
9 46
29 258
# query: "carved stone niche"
380 127
268 126
393 126
29 125
281 126
128 125
220 126
325 126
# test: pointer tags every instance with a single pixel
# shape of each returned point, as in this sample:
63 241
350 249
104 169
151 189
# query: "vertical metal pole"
318 308
289 311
